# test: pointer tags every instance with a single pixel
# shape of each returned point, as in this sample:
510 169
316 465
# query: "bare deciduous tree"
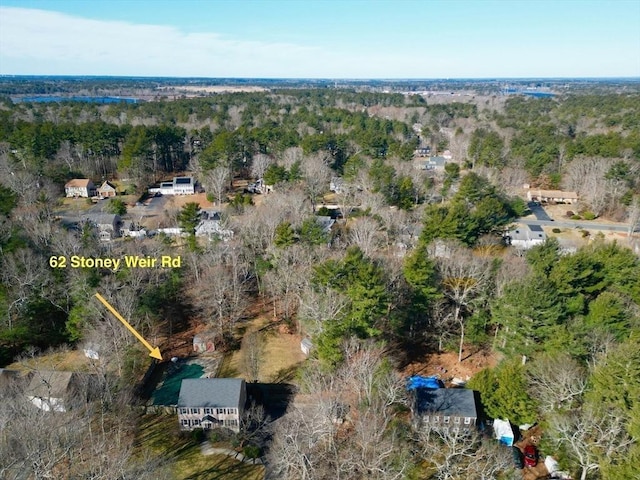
363 232
259 165
465 278
253 352
216 182
590 437
557 381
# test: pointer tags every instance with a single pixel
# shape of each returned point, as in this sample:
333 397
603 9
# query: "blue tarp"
424 382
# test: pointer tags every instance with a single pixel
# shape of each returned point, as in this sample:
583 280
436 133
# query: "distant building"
211 403
177 186
133 229
525 236
422 152
211 226
58 391
80 187
106 190
551 196
108 225
306 346
435 164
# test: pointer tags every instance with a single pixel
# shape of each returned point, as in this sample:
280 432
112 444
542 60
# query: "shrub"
589 215
576 217
251 451
569 214
556 230
585 233
198 435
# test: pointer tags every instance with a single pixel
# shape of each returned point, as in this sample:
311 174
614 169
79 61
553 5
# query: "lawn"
161 435
281 355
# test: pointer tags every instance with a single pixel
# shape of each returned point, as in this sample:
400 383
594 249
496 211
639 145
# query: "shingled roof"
458 402
210 392
78 182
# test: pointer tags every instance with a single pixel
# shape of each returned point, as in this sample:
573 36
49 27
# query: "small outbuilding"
306 346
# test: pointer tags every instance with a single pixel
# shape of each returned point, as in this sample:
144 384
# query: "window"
436 419
467 420
456 419
184 423
196 423
184 410
195 410
426 418
446 419
234 423
208 411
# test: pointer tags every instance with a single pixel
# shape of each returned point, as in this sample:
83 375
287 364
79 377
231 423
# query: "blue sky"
321 38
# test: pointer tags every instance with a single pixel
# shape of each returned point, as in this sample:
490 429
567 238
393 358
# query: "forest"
415 262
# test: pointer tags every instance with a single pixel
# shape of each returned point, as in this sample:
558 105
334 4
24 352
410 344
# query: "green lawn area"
161 436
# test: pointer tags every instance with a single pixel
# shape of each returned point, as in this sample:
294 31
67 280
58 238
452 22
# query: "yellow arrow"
155 352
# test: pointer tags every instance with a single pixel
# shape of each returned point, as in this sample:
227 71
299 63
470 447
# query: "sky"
333 39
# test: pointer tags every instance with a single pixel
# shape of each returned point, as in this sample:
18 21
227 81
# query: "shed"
503 431
204 343
306 346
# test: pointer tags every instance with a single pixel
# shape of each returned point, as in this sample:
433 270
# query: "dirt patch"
179 201
447 367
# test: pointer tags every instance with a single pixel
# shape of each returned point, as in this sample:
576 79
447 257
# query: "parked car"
530 456
517 457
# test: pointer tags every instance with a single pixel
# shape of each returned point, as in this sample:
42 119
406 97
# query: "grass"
281 356
55 359
161 435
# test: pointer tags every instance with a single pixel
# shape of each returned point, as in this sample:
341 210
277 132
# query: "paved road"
581 225
544 220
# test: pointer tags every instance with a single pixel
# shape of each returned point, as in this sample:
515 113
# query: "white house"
525 236
106 190
435 164
211 402
80 187
177 186
211 226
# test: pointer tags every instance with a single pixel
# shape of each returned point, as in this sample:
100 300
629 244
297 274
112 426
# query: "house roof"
182 180
526 233
458 402
103 218
439 161
553 194
106 186
210 392
49 384
78 182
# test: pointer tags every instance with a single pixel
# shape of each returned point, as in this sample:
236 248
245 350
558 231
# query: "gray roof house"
59 391
211 402
108 225
211 226
525 236
445 408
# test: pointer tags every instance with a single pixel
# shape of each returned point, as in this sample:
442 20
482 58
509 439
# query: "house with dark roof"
445 408
211 403
80 187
